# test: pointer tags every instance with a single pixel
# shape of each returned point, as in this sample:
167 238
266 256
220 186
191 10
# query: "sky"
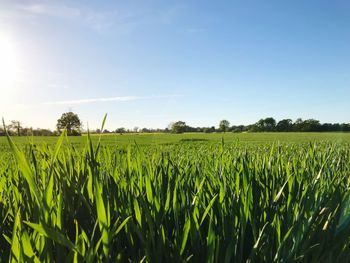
150 63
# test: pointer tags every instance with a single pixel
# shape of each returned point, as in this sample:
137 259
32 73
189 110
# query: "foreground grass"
186 200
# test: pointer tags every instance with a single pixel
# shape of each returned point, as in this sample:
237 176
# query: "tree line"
300 125
72 123
69 121
267 125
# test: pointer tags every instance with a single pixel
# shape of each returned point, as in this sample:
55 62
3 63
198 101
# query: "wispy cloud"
97 20
56 10
118 18
109 99
33 11
85 101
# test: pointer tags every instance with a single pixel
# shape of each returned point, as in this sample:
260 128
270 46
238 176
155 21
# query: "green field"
163 138
265 197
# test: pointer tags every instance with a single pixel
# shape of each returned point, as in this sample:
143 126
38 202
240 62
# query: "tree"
224 125
71 122
285 125
120 130
311 125
15 127
298 125
267 124
178 127
239 128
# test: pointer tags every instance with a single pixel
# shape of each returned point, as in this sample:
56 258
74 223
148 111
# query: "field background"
164 139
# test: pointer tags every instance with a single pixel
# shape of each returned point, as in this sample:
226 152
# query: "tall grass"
187 202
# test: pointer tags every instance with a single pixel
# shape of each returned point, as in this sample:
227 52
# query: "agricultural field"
169 138
264 197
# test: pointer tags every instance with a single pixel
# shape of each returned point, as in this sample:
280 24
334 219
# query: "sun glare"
8 64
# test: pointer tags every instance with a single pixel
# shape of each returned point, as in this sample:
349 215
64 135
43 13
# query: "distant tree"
239 128
41 132
106 131
120 130
335 127
298 125
270 124
136 129
285 125
192 129
27 131
209 129
178 127
345 127
224 125
265 125
311 125
15 127
71 122
170 126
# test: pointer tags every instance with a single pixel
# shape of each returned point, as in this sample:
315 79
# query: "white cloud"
61 11
123 20
109 99
31 12
85 101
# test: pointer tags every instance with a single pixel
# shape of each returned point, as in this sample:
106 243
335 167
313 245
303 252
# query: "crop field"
265 197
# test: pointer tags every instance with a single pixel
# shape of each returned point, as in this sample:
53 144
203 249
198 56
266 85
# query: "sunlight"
8 64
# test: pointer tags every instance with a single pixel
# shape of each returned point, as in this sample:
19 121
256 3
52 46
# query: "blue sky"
148 63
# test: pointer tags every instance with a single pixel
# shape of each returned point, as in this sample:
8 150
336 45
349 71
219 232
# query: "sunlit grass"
91 200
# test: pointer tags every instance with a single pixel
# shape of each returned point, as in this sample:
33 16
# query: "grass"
176 198
161 138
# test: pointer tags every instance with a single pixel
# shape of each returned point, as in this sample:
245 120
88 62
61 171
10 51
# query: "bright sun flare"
8 64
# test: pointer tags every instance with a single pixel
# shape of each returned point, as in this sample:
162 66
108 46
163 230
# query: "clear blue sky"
148 63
